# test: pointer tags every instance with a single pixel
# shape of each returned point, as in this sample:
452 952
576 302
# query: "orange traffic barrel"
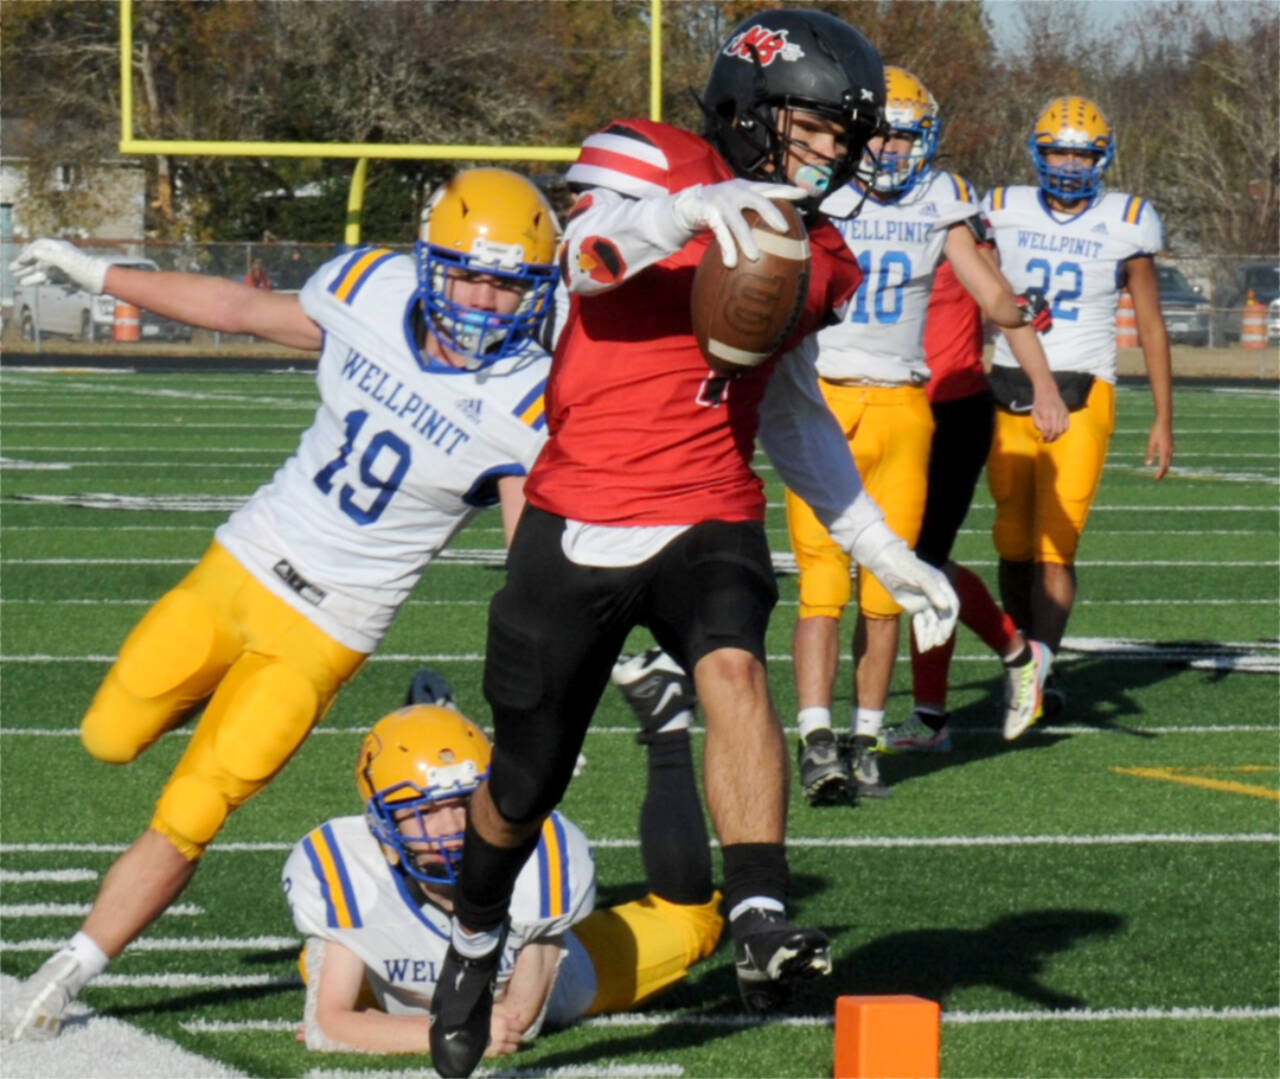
127 325
1253 324
1126 322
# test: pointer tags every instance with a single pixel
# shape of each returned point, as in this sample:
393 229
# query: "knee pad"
525 787
190 813
170 661
177 644
263 711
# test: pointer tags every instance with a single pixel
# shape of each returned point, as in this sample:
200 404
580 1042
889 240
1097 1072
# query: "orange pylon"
887 1037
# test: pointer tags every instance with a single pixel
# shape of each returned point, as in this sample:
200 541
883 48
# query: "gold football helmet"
1072 123
491 222
413 759
909 108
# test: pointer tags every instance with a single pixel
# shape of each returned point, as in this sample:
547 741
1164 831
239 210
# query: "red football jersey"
642 431
953 339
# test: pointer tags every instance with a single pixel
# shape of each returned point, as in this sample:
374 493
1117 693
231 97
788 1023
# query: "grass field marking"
94 425
1269 454
782 561
1110 1015
1177 473
47 876
563 1071
101 1045
962 732
8 464
1183 432
166 944
190 981
1182 774
79 910
240 1026
821 843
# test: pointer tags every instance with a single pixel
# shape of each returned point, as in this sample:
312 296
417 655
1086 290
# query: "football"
742 316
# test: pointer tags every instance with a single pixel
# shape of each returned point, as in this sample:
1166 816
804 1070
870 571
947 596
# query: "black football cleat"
770 953
461 1008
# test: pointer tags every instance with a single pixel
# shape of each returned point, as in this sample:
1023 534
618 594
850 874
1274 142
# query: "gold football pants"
889 429
1043 490
268 675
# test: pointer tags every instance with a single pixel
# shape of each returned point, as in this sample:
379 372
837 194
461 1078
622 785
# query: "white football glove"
921 591
31 267
719 207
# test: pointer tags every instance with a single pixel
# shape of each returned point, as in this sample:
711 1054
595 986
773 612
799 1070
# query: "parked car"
1184 306
61 307
1260 278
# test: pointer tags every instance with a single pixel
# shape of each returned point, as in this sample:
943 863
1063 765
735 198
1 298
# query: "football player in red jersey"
643 508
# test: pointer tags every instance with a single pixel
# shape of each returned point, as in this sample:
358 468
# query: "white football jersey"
1077 263
397 460
898 245
340 888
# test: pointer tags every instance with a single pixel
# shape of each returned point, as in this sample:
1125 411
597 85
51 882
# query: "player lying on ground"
373 896
302 582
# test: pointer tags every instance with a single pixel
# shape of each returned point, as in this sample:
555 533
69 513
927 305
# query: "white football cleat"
1024 691
35 1013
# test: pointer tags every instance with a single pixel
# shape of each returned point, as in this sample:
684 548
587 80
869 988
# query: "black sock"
673 833
935 721
1021 659
482 897
752 869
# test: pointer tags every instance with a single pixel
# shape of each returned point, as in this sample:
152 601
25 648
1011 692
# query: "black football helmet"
792 59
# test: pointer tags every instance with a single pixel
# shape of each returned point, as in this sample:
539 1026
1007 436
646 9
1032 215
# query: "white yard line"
733 1021
166 944
962 732
104 1048
47 876
1136 839
79 910
782 561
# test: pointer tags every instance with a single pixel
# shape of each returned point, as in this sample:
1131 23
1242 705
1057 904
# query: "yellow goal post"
361 151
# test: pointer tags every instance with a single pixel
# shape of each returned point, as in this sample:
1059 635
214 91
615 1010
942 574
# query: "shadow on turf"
1011 954
1101 694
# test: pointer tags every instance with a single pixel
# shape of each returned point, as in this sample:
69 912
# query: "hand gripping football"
743 315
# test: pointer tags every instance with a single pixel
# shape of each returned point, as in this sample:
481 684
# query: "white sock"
868 721
813 719
759 902
475 945
90 959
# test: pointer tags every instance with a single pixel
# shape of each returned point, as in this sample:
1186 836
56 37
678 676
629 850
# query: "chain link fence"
1205 298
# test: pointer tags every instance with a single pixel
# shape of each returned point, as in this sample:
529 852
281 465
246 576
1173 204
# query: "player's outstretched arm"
212 303
1141 275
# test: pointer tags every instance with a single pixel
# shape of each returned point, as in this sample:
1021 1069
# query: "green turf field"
1099 899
